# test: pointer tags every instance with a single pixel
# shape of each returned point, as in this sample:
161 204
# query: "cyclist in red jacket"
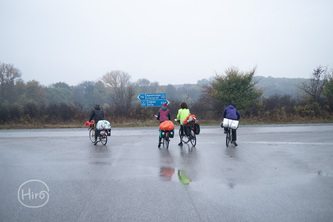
163 115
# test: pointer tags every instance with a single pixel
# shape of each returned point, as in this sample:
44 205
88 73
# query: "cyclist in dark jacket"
231 113
97 114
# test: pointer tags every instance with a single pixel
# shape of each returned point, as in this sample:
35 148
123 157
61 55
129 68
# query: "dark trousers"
181 132
96 134
233 133
96 131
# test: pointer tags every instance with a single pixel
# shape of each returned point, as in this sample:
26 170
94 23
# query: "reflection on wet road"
277 173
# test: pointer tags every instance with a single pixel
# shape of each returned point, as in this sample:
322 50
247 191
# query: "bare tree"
122 91
314 88
144 85
147 87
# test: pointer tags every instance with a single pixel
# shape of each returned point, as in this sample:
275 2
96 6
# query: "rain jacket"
163 114
231 113
97 115
182 114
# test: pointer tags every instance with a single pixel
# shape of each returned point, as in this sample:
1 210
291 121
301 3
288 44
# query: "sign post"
153 99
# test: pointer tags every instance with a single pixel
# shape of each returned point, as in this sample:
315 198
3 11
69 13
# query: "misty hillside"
270 86
280 86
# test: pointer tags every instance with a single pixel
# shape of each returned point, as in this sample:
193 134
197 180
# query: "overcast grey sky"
174 41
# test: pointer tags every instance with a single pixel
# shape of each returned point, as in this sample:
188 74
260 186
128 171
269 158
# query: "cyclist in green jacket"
183 112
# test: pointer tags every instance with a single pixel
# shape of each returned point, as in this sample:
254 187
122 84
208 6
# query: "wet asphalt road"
277 173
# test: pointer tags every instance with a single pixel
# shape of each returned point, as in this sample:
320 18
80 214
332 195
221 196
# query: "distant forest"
281 99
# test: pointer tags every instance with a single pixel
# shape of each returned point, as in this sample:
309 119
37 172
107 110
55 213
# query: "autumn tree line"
31 103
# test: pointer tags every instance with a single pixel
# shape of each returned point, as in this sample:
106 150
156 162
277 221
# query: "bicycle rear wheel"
104 139
166 141
193 138
92 135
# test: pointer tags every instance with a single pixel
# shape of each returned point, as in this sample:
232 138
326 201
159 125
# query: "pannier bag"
230 123
172 133
164 132
167 125
196 128
187 130
103 125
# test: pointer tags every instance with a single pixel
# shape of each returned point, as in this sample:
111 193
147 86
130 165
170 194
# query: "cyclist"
231 113
183 112
97 114
162 115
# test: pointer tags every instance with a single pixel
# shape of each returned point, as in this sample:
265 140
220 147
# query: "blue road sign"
152 96
152 103
152 99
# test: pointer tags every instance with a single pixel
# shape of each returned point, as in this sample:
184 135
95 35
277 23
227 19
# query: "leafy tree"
171 92
35 93
84 93
59 93
203 82
61 85
328 91
328 88
234 87
9 76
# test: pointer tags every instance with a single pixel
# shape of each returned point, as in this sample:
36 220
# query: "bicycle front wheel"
92 135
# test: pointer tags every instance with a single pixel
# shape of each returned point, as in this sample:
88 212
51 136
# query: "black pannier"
187 130
171 134
196 128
